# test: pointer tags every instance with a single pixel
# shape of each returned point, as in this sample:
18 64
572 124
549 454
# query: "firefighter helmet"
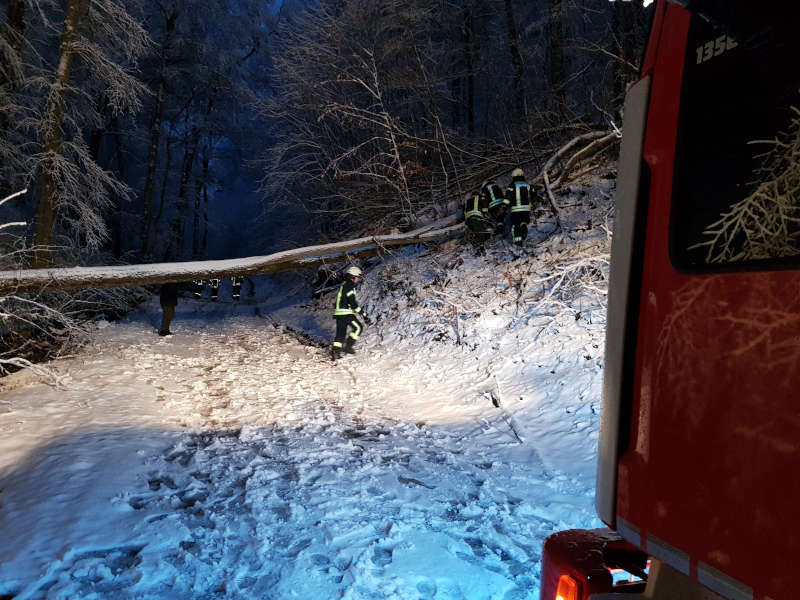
517 173
354 271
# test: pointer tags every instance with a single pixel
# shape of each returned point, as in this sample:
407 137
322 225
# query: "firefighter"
215 283
236 283
251 291
476 216
197 287
168 298
498 205
519 196
345 314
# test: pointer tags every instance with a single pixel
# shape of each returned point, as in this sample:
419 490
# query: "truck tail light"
568 589
578 563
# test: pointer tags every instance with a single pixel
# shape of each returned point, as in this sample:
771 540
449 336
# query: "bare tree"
169 15
353 99
46 323
204 80
102 40
555 50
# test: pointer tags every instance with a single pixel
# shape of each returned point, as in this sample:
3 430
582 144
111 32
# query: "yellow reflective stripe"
339 297
495 202
521 208
474 209
342 311
351 293
337 344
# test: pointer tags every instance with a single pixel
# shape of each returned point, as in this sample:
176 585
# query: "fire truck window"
736 190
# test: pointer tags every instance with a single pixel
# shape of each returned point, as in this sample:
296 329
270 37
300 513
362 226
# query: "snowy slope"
234 460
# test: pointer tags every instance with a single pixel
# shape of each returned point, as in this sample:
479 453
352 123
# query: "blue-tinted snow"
233 460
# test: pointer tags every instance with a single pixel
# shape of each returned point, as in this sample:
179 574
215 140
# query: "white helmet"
517 172
354 271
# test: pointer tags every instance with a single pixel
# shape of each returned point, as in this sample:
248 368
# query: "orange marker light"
567 588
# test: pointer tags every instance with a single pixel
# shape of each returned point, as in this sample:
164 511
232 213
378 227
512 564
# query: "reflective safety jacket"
520 195
493 195
476 207
346 303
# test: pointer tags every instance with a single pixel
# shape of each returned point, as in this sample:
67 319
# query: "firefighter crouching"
345 314
498 205
519 195
476 217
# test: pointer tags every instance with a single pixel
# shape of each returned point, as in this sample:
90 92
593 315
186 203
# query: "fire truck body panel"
700 437
709 476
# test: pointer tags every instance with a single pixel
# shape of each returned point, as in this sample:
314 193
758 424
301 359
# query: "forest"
138 131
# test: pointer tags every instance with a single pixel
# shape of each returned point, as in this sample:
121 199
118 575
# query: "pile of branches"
584 279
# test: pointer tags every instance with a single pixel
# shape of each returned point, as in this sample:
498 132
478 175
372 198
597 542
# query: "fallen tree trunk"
75 278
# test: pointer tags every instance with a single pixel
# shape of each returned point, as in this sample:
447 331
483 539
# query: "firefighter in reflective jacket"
498 205
520 197
345 314
476 216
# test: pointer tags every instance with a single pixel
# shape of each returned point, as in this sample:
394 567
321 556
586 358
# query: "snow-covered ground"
235 460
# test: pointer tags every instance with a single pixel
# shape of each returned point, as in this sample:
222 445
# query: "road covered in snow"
235 460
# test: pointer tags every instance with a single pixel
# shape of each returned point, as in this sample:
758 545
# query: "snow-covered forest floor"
233 459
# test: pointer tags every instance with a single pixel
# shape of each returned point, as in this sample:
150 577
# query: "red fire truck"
699 453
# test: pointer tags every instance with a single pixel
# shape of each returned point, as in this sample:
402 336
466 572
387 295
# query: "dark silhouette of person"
252 291
236 284
197 287
168 297
215 283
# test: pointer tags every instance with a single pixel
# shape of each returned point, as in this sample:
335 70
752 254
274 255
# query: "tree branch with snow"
766 222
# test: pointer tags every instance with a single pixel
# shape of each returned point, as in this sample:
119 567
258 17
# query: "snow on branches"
766 223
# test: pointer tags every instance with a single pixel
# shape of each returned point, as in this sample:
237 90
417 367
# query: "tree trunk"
204 245
518 93
182 205
555 46
200 194
117 218
163 196
469 59
457 102
287 260
625 31
200 191
53 134
96 134
155 140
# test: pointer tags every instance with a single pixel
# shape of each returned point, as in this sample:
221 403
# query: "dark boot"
336 353
348 346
